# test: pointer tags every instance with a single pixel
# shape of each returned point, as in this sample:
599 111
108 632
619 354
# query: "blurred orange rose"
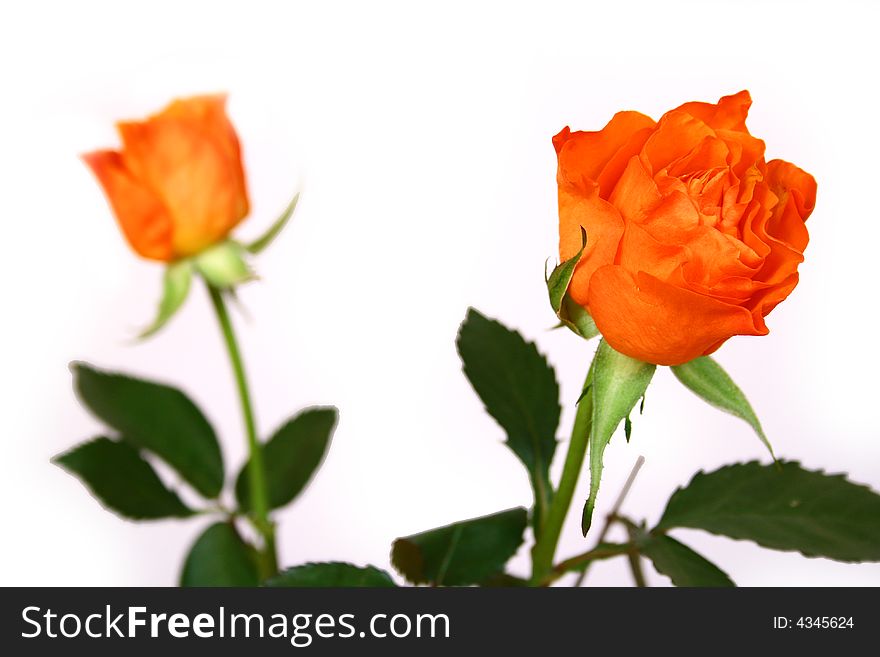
177 186
691 236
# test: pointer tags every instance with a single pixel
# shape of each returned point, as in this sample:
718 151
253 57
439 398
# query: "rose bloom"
691 236
177 185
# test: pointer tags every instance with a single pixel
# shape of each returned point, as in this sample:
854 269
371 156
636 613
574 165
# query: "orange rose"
177 186
691 236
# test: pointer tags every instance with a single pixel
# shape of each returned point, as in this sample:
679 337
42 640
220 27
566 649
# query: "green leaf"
706 378
176 284
783 508
291 456
618 382
220 557
260 244
122 481
158 418
681 564
518 388
224 265
332 574
503 580
463 553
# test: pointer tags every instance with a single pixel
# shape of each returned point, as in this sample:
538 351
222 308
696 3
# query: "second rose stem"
259 492
545 546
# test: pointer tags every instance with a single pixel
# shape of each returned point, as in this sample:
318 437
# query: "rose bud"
177 185
692 237
177 188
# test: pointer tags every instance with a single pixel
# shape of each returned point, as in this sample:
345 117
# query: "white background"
420 137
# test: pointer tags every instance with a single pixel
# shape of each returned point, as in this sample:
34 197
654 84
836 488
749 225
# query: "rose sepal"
176 283
571 315
614 386
259 245
707 379
224 265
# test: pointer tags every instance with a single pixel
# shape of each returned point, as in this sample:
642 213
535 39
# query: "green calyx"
224 266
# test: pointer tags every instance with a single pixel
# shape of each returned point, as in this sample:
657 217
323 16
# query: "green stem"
635 565
583 560
543 497
545 547
259 492
635 559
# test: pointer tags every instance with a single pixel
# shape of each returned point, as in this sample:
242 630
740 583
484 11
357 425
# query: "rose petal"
728 113
614 168
639 251
187 157
746 151
604 226
583 155
766 300
796 190
780 258
636 193
709 154
143 218
717 256
208 114
677 134
655 322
